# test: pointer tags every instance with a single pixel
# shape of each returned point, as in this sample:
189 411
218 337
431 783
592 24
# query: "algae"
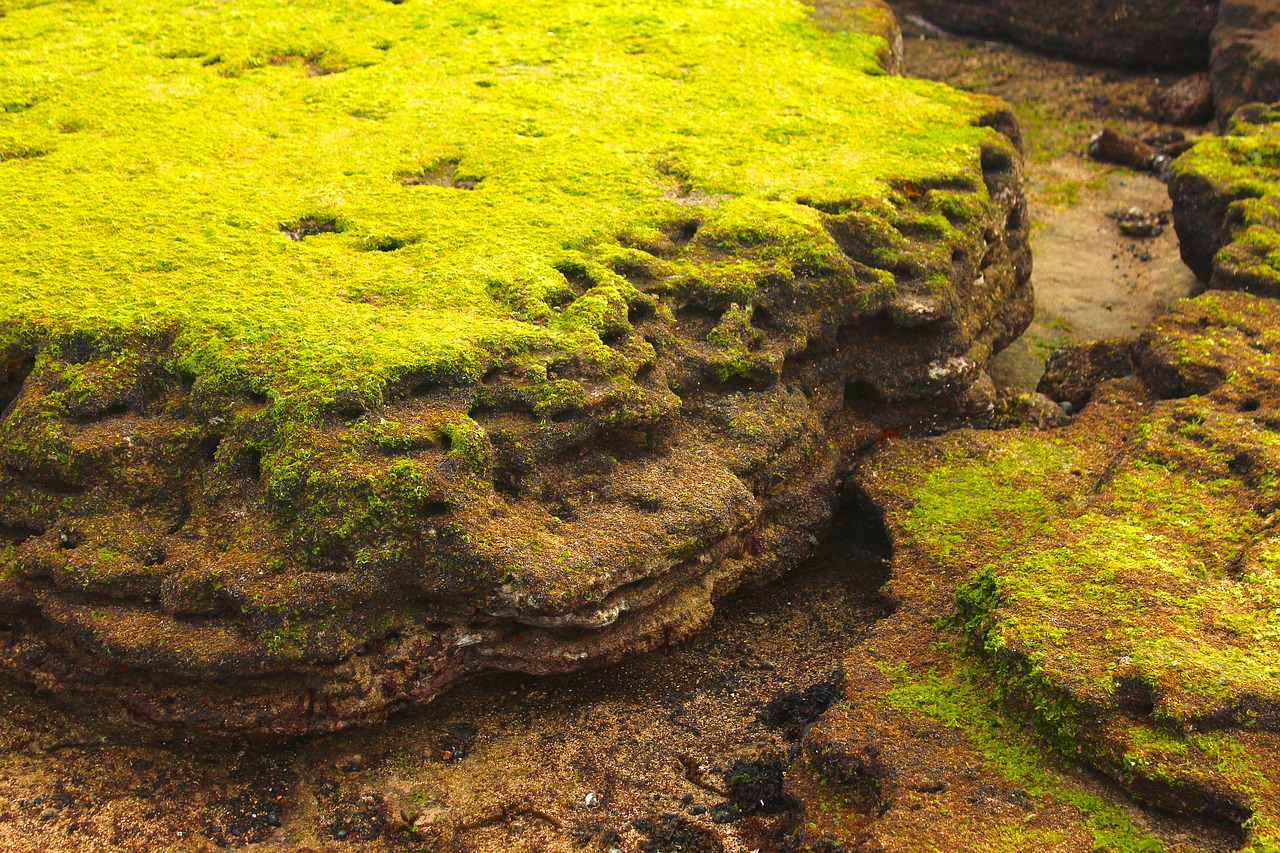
318 199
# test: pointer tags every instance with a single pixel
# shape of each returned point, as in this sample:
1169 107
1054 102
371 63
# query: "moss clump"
322 198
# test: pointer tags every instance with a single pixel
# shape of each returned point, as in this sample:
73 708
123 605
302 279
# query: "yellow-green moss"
437 160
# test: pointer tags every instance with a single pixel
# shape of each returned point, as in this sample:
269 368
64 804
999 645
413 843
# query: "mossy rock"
1113 586
1226 204
351 349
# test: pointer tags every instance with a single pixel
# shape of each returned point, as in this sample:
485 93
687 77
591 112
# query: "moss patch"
322 197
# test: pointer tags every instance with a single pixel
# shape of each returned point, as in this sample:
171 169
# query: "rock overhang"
353 351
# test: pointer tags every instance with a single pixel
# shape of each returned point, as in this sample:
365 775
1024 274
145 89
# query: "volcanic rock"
316 401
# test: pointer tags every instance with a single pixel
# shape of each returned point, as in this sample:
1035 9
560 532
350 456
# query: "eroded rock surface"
1112 582
214 529
1145 33
1225 199
1245 64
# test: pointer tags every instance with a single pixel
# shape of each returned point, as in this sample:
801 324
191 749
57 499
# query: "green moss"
960 699
962 506
432 165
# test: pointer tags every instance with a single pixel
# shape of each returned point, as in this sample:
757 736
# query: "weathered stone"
1245 63
1145 33
1109 586
1112 146
1073 372
1226 204
1189 101
346 489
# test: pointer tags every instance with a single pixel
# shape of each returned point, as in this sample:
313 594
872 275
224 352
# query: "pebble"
1067 408
697 810
591 800
48 814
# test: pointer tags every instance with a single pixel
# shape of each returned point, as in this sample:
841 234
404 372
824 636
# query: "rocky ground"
855 705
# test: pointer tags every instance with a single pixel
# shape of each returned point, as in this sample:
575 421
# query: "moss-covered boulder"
1226 199
1113 587
350 349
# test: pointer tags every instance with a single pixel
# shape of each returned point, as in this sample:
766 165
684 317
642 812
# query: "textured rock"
1245 63
312 487
1189 101
1225 202
1155 33
1111 586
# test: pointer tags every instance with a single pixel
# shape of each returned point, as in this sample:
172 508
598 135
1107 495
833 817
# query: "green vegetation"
1128 608
958 699
320 198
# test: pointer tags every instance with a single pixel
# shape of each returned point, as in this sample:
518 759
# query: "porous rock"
304 474
1109 586
1226 202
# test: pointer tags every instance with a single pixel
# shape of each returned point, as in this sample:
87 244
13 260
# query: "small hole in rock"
310 226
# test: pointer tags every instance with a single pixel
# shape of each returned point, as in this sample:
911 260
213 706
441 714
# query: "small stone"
591 800
725 813
48 814
697 810
1136 222
1067 408
1111 146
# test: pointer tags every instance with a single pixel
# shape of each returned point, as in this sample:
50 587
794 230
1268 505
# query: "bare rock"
1113 146
1143 33
1189 101
1245 62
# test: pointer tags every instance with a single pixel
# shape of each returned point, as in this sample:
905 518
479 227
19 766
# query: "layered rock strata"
240 534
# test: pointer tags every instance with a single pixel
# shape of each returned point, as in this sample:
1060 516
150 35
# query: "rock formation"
316 401
1143 33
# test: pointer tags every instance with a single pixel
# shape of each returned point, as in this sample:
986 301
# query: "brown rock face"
1245 65
1154 33
1189 101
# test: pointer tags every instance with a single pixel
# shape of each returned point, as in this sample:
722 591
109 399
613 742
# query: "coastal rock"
1142 33
1226 202
1103 593
1245 63
371 417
